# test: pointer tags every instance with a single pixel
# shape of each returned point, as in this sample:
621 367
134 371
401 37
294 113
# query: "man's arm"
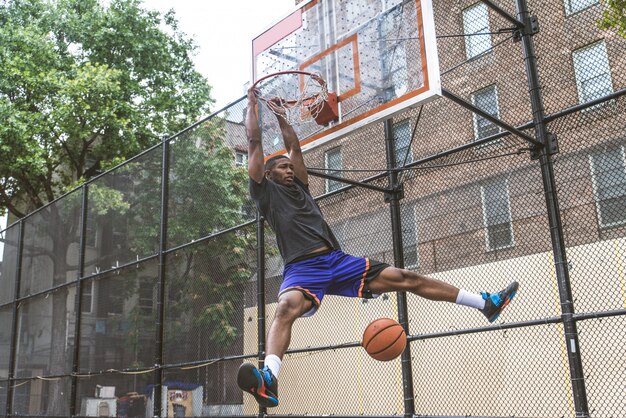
255 148
292 145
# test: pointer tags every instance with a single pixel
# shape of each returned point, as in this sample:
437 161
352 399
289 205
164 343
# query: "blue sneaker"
259 383
496 302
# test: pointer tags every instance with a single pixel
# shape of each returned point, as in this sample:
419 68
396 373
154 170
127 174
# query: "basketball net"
295 96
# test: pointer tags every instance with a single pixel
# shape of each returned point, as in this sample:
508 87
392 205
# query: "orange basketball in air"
384 339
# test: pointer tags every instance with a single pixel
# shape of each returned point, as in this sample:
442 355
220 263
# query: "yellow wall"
477 373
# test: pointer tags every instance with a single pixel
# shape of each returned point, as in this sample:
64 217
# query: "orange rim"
291 103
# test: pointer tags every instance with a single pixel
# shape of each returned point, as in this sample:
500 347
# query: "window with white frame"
608 174
476 30
486 99
87 294
332 164
497 215
241 158
402 142
409 236
593 74
575 6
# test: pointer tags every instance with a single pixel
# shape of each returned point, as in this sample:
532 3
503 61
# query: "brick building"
578 62
477 216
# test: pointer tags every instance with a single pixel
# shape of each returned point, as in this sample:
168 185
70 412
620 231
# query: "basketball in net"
298 97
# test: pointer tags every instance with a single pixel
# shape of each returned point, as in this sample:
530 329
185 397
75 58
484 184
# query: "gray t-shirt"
294 216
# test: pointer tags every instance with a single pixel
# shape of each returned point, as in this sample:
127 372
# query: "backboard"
378 56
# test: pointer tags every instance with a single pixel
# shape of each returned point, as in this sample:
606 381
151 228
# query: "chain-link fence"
141 292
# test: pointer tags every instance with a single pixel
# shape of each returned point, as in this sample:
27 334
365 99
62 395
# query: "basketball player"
315 266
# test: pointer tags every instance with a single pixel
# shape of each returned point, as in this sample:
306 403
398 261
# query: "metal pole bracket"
397 193
531 27
552 146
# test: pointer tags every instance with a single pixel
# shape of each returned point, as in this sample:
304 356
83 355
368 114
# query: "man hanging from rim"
314 264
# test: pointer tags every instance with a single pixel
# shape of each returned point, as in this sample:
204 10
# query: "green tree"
205 281
84 86
207 195
614 16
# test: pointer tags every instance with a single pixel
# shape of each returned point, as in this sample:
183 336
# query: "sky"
223 31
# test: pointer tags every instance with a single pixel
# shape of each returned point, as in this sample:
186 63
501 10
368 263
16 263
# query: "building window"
593 74
475 21
394 60
575 6
402 143
87 296
409 237
333 165
497 215
487 100
609 185
241 158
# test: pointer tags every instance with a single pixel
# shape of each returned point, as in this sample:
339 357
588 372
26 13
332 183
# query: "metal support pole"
78 298
510 128
586 105
347 181
554 216
14 326
499 10
260 291
158 358
393 197
260 281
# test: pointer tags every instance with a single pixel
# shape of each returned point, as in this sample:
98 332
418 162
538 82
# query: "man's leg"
263 384
291 306
394 279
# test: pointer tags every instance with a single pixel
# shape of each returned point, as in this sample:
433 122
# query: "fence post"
158 358
14 326
260 291
78 298
393 197
554 214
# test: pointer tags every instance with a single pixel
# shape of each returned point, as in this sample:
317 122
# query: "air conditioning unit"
99 407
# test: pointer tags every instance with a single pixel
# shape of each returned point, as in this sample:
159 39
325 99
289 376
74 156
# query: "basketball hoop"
297 97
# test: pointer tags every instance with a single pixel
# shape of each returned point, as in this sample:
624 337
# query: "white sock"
474 300
273 362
